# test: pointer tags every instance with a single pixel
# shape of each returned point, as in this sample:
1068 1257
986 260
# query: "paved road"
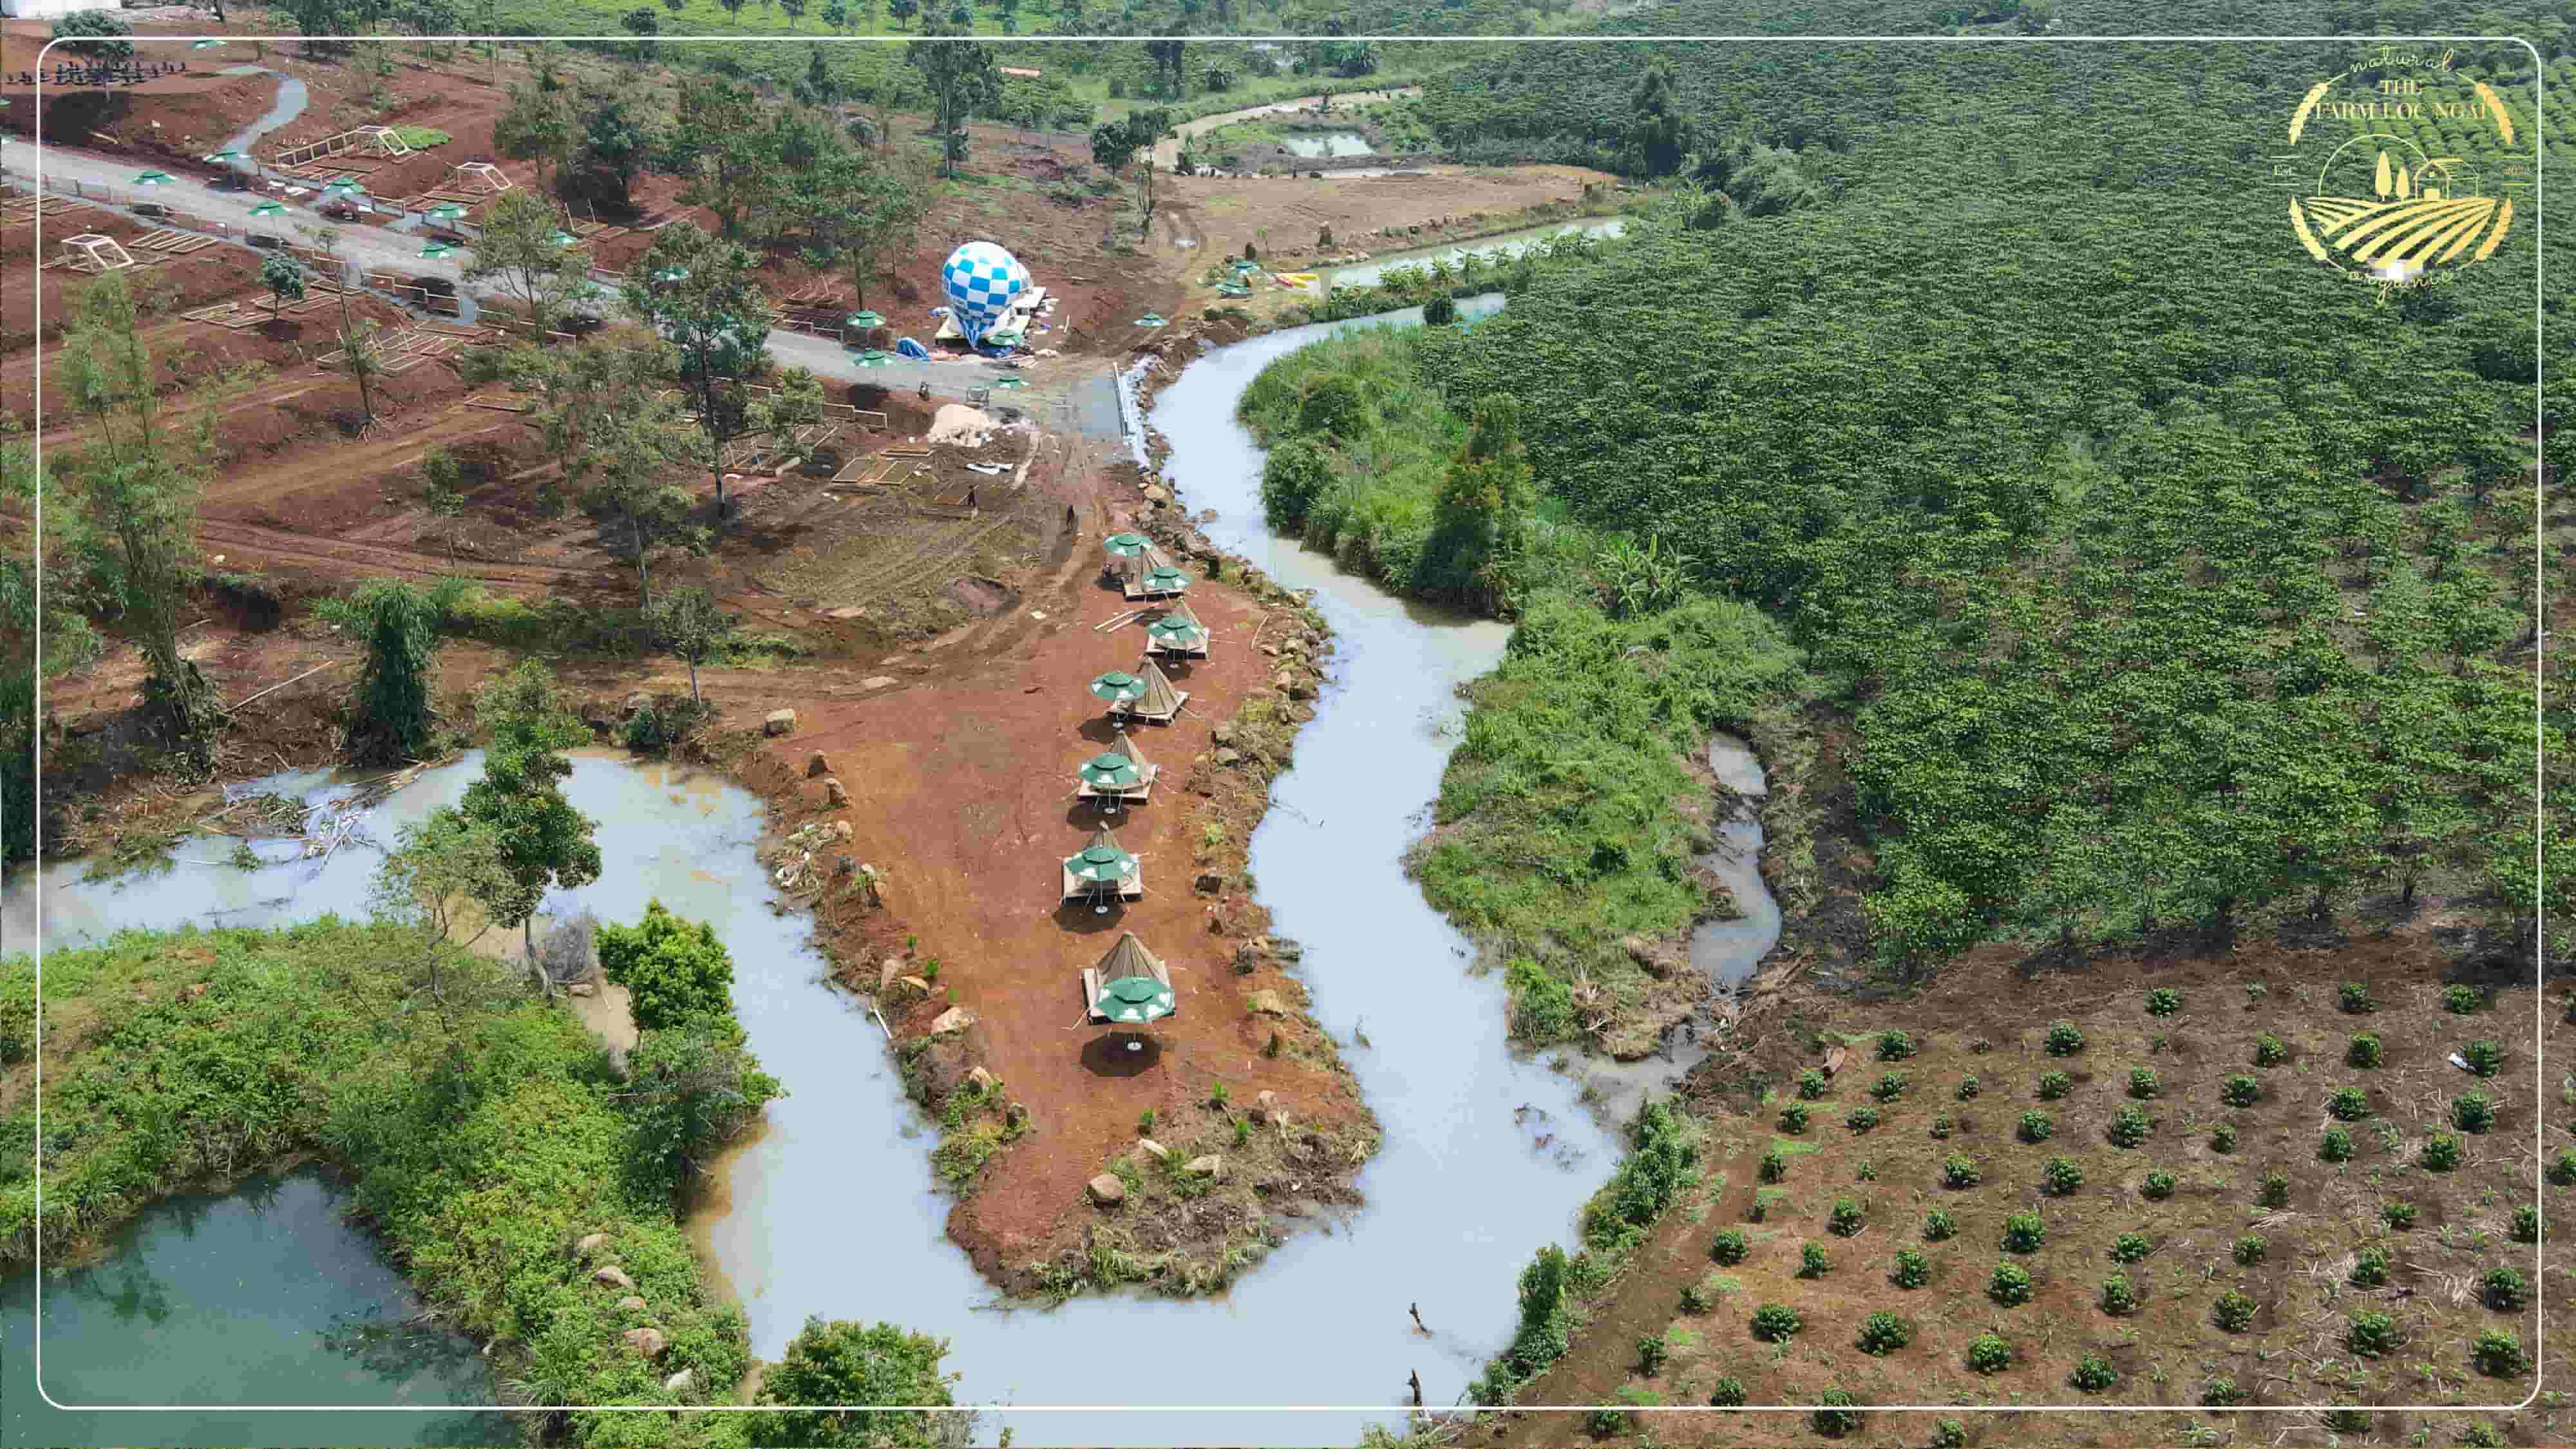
1087 395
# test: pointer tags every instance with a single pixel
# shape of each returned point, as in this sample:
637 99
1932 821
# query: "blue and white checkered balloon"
981 279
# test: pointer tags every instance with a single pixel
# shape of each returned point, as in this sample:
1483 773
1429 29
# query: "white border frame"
2539 1278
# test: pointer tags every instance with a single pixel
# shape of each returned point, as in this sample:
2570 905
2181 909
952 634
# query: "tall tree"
543 840
540 127
43 635
854 210
715 144
842 1363
519 248
702 295
600 410
283 276
1657 130
437 880
694 629
962 81
1481 515
133 488
903 10
616 142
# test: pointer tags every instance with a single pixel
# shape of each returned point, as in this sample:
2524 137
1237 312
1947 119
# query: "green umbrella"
1126 545
445 211
269 208
1119 687
228 157
863 319
565 239
153 178
667 274
1112 771
1135 999
1166 580
1176 631
437 249
874 358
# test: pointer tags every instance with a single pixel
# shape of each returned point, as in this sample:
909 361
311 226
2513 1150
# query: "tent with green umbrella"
344 188
438 249
1154 698
1101 872
445 211
1120 772
269 208
1129 987
227 158
863 319
1178 632
1160 581
153 178
1126 545
1118 687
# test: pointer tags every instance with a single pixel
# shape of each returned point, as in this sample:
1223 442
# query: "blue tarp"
909 348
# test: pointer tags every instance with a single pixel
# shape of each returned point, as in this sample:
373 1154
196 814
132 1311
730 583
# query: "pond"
262 1295
1329 143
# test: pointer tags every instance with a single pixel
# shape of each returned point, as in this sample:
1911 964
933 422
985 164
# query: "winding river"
831 1209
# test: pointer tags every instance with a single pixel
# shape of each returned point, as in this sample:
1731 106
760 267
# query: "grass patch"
421 138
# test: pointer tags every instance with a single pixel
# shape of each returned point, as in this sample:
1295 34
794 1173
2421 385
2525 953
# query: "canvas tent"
1160 701
1090 784
1101 872
1127 960
1178 634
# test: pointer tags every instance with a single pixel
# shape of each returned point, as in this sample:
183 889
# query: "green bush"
2348 1421
1861 1118
1728 1246
1542 1004
1607 1423
1937 1227
2441 1152
2250 1249
2157 1184
2369 1268
2163 1001
1889 1086
2064 1040
2221 1392
18 1009
1726 1393
1793 1118
1775 1322
2010 1284
2371 1333
2348 1104
2398 1215
2035 1126
1846 1219
1968 1087
2142 1083
2268 1050
2117 1296
2562 1168
2274 1191
1949 1434
1942 1126
1695 1300
2222 1138
2063 1176
1884 1333
1894 1046
2484 1057
1958 1171
1812 1084
2335 1146
2356 998
2462 1000
1663 1146
2053 1085
2234 1311
1813 1261
1775 1165
1651 1351
2093 1375
2526 1225
1838 1417
2498 1354
2480 1436
2473 1111
1989 1353
2240 1091
673 970
2503 1289
2129 1127
2023 1232
1912 1270
2364 1051
2130 1247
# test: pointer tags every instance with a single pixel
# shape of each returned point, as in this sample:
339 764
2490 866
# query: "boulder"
1265 1106
1210 882
1302 689
835 794
816 767
1153 1149
589 1245
636 701
1268 1003
1228 756
1107 1191
887 970
1208 1166
582 988
982 1080
646 1341
842 832
680 1382
1282 681
955 1018
631 1304
614 1277
879 681
1223 734
1157 494
1286 950
916 983
778 722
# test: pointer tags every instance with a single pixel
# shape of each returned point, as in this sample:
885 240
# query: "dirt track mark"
279 546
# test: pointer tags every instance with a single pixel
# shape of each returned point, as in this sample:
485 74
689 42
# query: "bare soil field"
2248 1175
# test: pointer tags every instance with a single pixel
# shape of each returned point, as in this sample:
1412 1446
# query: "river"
831 1209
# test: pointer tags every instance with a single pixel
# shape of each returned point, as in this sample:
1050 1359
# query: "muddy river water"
831 1208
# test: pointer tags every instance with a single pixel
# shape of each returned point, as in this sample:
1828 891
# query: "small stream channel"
831 1208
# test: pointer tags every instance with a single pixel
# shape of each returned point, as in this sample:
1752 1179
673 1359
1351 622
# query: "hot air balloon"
981 280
